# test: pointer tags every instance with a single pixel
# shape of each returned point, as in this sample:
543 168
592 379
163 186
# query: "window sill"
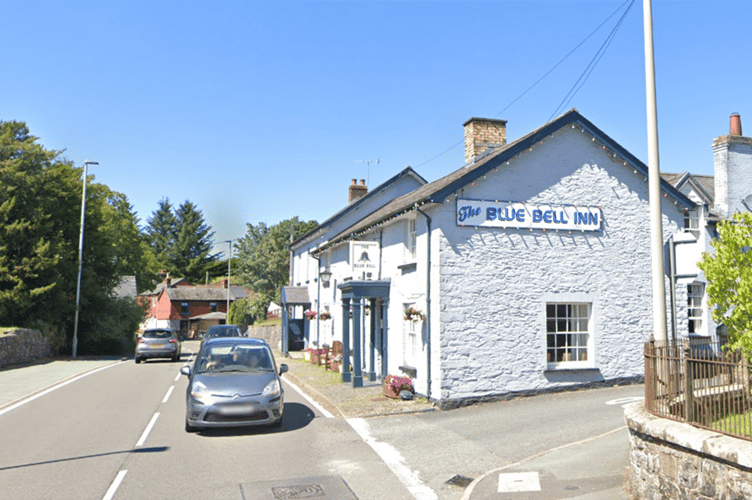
409 370
571 370
408 267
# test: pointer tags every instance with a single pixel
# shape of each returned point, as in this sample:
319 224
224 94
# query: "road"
118 433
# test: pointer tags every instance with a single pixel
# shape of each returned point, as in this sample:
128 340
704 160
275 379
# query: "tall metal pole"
229 260
654 185
80 257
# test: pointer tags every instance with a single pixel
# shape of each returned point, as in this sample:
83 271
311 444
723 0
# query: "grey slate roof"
203 293
295 295
437 191
126 287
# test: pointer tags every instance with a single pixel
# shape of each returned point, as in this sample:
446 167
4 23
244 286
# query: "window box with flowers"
325 316
310 315
394 384
414 315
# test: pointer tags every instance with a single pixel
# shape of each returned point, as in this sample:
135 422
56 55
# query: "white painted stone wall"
495 283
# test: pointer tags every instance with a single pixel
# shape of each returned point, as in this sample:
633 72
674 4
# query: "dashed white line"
167 396
115 485
143 437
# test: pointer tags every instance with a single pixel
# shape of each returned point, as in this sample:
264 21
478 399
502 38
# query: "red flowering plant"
325 315
394 384
311 315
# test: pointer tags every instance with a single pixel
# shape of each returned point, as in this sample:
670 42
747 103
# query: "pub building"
526 270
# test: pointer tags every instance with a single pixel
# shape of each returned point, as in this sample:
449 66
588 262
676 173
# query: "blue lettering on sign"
467 212
505 214
537 215
587 218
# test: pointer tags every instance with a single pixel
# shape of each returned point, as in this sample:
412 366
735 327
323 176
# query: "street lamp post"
229 260
80 256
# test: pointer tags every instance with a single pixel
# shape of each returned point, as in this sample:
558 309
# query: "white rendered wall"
495 283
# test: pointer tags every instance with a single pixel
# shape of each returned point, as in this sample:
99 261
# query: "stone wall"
672 460
21 346
271 333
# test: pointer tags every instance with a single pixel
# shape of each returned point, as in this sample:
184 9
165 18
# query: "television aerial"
368 172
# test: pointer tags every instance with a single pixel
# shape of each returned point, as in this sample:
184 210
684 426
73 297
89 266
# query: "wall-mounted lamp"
326 277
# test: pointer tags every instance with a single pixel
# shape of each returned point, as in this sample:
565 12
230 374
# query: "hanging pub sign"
364 259
519 215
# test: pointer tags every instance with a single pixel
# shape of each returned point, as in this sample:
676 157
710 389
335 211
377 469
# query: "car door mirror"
186 370
283 368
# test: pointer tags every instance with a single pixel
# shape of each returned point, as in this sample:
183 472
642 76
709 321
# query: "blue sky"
262 111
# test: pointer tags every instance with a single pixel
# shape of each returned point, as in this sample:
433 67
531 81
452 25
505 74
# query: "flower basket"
310 315
325 316
394 384
414 315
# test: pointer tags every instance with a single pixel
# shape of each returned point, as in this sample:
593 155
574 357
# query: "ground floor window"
409 337
695 291
568 333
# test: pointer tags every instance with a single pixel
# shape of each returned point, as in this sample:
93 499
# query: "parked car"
223 331
234 382
158 343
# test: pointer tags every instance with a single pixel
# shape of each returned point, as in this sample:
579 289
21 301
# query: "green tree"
264 259
161 233
729 273
191 254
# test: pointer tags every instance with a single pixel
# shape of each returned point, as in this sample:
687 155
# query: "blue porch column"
372 343
346 375
357 380
384 338
285 327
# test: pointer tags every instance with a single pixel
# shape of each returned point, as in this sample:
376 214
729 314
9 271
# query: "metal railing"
700 382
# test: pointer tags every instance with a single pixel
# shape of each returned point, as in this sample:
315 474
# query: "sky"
264 111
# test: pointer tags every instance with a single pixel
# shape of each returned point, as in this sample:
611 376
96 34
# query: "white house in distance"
525 270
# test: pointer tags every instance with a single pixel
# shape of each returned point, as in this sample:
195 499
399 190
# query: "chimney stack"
735 125
357 191
482 134
732 163
224 282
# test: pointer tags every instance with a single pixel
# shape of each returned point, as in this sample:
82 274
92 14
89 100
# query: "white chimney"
732 159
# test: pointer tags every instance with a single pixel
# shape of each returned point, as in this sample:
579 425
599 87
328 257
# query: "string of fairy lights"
610 153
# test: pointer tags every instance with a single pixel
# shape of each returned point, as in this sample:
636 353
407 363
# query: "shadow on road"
154 449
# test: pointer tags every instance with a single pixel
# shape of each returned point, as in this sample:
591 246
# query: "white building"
528 268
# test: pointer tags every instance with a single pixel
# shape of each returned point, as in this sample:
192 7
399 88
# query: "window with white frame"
410 240
409 338
695 291
692 222
568 334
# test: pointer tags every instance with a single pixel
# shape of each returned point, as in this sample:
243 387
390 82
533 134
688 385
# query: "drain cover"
461 481
318 488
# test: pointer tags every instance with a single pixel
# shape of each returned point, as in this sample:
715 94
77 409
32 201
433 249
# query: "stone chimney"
732 161
357 191
224 282
167 280
481 134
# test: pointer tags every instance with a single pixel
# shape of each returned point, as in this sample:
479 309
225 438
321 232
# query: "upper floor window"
213 307
695 292
410 240
185 308
692 222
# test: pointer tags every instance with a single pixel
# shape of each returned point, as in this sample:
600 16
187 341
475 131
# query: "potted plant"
414 315
335 364
310 315
394 384
325 315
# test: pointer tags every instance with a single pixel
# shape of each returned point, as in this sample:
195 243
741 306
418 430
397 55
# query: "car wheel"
176 357
189 427
138 360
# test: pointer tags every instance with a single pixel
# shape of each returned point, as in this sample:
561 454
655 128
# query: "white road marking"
308 398
167 396
115 485
55 387
624 402
394 460
177 377
512 482
143 437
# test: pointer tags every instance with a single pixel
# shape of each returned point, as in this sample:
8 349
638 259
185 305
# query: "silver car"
158 343
234 382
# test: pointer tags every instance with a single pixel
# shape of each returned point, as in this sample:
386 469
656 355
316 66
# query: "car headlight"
199 391
272 389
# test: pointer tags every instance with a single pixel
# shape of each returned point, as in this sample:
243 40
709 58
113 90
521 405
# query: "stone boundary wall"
671 460
21 346
271 333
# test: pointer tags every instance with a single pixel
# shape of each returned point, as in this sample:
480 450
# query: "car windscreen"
157 334
226 358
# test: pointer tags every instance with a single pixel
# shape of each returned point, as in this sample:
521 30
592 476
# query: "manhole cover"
317 488
460 481
293 492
